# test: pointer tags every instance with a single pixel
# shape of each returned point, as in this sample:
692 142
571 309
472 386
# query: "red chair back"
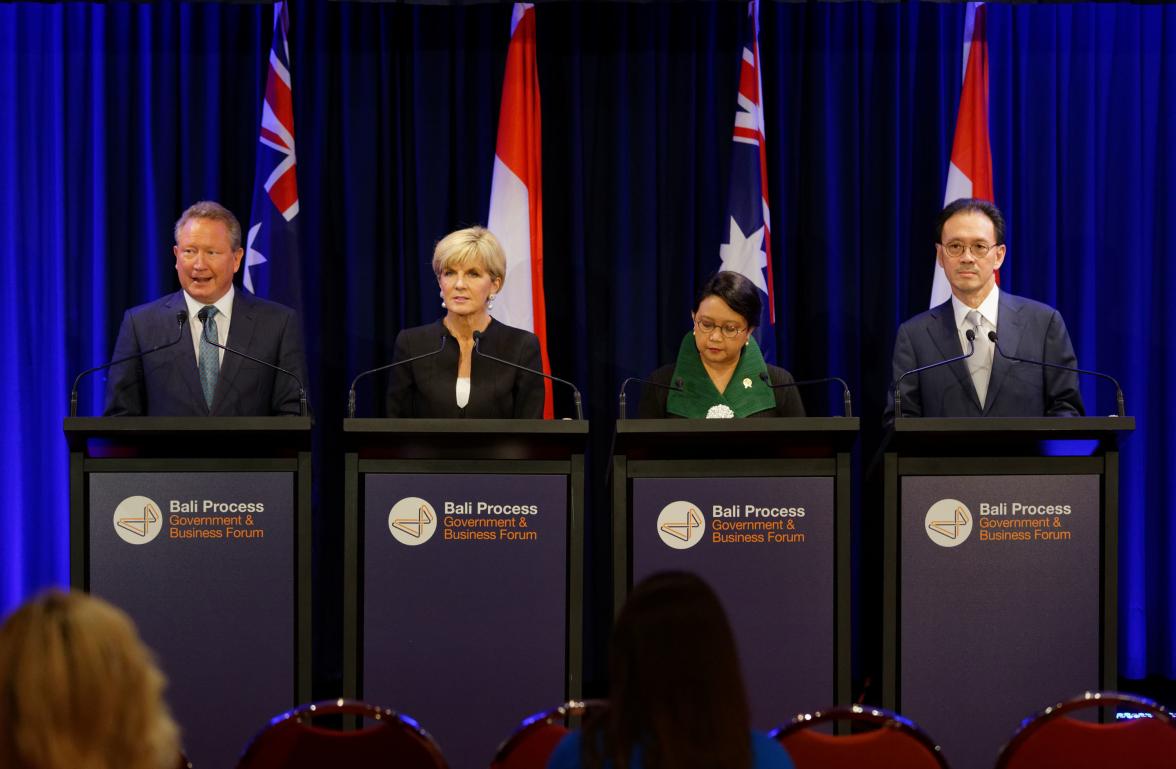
532 743
292 741
896 743
1052 738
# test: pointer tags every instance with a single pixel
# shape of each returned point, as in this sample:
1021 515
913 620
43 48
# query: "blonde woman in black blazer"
471 267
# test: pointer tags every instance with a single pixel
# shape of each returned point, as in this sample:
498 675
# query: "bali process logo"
681 525
137 520
948 522
412 521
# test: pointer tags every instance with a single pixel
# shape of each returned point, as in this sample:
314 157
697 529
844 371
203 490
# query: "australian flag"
272 267
748 249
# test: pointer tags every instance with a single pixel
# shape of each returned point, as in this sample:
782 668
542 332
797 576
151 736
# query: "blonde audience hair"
79 690
473 245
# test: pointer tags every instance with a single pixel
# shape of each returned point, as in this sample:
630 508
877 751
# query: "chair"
1053 738
533 742
389 739
896 743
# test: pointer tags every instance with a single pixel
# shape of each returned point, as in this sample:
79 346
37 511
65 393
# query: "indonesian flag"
516 194
970 172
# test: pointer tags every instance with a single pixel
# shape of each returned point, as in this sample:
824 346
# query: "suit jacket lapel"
1009 326
946 337
185 352
241 327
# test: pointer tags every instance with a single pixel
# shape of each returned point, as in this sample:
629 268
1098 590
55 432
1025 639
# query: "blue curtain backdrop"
114 117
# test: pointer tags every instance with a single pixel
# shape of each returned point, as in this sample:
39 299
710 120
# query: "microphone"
846 399
378 369
1118 390
622 401
971 336
181 319
575 392
203 316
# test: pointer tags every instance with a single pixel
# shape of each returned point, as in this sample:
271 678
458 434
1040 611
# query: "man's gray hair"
210 209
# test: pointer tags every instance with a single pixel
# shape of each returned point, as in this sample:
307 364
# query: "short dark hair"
675 687
738 292
972 205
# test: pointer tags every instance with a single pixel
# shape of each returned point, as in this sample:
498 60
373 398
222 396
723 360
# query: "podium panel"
765 544
1000 573
758 508
466 575
204 554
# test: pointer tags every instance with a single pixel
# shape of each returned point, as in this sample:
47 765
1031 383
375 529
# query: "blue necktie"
209 355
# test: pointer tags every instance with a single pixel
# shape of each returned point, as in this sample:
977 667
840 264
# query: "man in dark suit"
193 377
970 248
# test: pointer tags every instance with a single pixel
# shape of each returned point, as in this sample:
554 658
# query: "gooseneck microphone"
393 364
846 398
203 316
622 400
1118 390
575 392
181 319
971 336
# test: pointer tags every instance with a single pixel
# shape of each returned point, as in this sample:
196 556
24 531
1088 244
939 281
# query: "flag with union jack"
748 249
272 267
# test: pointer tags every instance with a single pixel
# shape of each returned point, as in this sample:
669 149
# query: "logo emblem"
681 525
949 522
412 521
137 520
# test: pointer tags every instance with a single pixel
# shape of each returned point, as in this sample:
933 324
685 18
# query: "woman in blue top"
676 697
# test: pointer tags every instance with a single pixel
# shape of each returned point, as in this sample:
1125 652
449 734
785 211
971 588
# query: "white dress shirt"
224 314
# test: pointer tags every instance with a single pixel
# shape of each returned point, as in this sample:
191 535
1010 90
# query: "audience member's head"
675 688
79 690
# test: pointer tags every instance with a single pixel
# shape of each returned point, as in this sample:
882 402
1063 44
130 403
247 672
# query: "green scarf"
746 392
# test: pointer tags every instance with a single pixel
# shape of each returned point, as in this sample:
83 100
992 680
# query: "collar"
988 309
746 394
224 305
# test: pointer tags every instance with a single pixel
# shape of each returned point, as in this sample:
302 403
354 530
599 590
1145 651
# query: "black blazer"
653 399
1025 328
167 383
428 387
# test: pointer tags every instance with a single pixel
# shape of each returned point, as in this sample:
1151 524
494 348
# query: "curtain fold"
114 117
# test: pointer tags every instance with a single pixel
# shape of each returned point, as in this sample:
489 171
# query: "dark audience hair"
972 205
738 292
675 688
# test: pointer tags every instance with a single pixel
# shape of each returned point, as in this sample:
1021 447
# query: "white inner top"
463 391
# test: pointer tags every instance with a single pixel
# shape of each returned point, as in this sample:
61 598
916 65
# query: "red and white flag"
970 172
516 193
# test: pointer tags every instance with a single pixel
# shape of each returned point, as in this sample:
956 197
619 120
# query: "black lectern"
463 582
199 528
760 509
1000 571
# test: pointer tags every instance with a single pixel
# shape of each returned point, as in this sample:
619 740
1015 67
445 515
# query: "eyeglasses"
729 330
955 249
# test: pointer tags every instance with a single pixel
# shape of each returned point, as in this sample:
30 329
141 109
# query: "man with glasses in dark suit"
970 247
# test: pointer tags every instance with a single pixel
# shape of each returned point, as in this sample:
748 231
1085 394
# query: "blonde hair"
470 246
79 690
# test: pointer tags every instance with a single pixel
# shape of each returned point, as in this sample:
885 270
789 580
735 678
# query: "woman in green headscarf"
720 369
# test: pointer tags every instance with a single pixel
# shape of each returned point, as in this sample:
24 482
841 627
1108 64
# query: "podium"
463 576
759 508
1000 558
199 528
